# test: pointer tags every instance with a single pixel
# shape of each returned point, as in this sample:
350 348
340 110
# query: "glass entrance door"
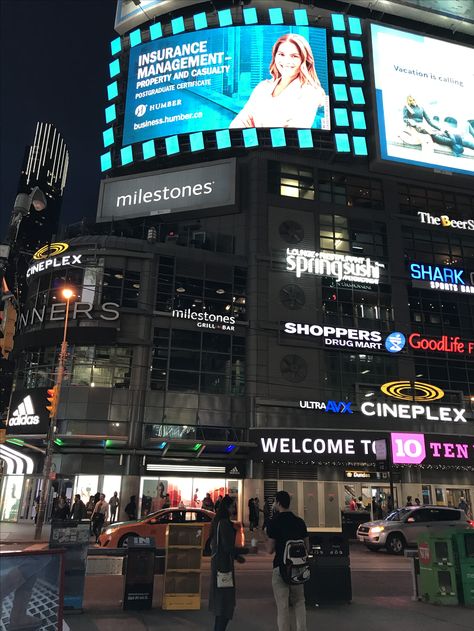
453 496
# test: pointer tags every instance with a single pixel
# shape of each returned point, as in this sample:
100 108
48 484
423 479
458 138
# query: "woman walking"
222 589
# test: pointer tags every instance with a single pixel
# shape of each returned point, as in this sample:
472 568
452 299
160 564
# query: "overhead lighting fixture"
187 468
180 290
369 394
364 372
220 291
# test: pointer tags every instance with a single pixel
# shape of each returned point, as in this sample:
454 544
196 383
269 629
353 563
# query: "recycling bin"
140 573
464 552
329 562
438 580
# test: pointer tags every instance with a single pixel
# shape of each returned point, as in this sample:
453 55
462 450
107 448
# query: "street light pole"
48 459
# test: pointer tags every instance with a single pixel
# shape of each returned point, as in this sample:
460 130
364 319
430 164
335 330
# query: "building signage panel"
67 260
445 221
316 446
337 407
108 311
198 81
204 320
338 337
210 185
443 344
358 446
442 278
28 413
342 267
416 449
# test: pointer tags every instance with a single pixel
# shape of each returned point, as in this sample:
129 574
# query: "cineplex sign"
342 267
417 398
350 447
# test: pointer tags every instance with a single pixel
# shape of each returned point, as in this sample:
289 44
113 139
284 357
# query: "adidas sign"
24 414
234 471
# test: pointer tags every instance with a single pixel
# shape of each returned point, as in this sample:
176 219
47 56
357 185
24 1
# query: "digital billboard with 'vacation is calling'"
424 94
236 77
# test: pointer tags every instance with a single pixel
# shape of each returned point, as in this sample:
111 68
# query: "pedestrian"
166 501
252 514
409 501
267 512
258 510
61 512
463 505
78 509
217 503
99 516
114 504
286 526
352 504
207 502
222 586
131 508
417 501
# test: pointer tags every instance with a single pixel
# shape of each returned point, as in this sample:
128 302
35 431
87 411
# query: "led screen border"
346 91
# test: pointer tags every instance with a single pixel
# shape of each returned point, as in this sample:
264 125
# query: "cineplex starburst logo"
412 391
50 249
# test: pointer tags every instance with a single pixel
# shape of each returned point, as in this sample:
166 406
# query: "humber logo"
50 249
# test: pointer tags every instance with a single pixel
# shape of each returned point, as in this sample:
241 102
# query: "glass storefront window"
190 491
11 497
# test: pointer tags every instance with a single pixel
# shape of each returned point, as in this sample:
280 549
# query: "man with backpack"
288 539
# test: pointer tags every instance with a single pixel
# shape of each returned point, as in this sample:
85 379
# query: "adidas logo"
24 414
234 471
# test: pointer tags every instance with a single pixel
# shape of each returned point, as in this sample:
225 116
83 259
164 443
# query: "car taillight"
471 522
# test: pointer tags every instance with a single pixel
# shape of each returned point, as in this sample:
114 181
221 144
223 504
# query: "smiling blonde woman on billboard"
293 95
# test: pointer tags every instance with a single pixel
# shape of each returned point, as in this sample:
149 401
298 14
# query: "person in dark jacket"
62 509
222 599
253 514
131 508
78 509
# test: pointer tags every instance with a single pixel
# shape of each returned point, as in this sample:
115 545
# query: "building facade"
262 338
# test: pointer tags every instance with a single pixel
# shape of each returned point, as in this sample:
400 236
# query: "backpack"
294 569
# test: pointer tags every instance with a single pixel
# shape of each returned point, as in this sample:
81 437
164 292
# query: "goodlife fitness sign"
172 190
328 446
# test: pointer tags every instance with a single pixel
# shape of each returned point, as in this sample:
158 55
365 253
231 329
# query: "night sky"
55 56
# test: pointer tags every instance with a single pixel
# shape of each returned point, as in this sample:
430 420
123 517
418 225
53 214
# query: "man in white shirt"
99 516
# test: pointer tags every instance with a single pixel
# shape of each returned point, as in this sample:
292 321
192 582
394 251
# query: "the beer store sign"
359 447
342 267
28 413
416 403
442 278
444 221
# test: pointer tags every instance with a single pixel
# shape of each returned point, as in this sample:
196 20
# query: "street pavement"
382 591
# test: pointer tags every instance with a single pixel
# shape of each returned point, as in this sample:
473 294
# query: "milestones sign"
178 190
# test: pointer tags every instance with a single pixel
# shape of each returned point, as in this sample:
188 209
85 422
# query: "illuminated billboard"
424 100
209 80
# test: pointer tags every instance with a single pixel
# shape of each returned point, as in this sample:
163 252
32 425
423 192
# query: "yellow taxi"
154 525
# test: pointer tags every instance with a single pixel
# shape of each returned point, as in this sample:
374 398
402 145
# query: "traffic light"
53 398
7 327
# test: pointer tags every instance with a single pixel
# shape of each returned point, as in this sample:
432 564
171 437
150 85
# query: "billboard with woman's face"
424 96
235 77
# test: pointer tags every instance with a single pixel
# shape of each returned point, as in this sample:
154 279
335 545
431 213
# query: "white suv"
403 526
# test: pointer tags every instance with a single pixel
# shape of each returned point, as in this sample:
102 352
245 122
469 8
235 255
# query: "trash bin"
329 562
140 573
438 583
464 553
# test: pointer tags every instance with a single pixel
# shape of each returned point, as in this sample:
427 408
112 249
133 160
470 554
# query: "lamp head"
67 293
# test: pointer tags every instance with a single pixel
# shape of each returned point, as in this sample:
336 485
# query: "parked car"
402 527
154 525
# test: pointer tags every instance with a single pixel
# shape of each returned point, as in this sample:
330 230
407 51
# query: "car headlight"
109 531
377 529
